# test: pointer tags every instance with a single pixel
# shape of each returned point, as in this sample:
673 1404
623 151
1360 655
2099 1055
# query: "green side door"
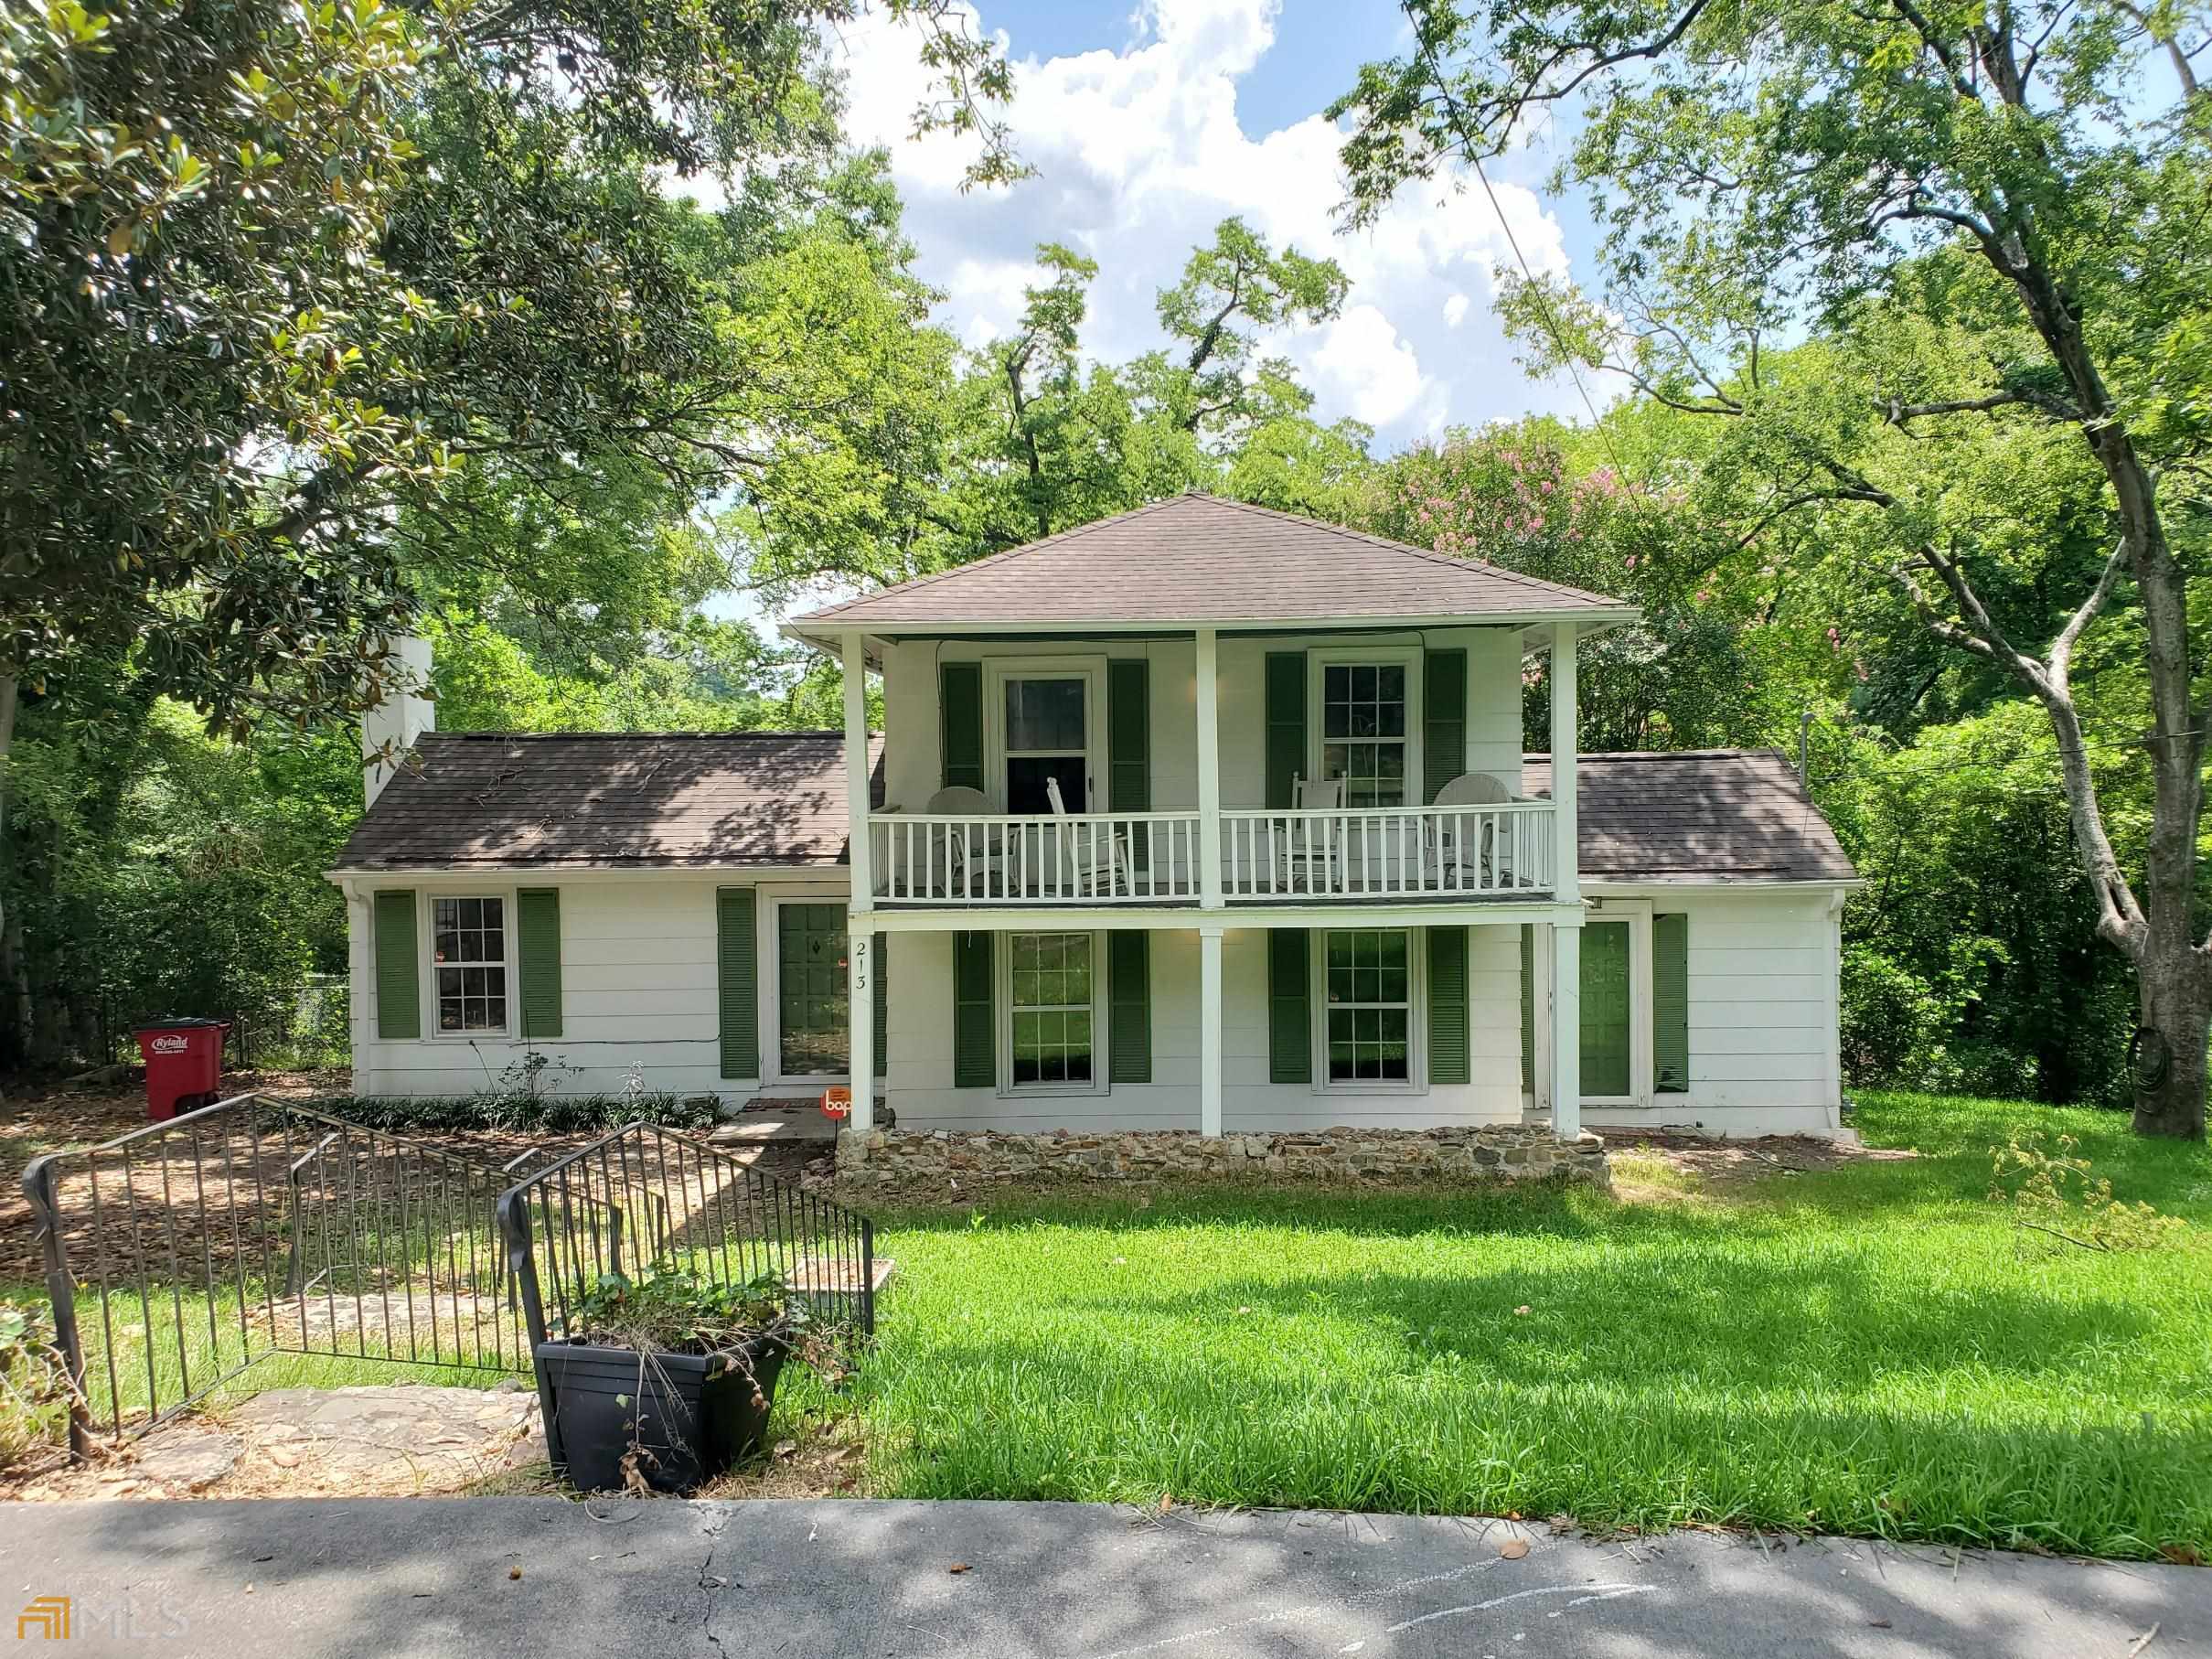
1605 1009
813 1015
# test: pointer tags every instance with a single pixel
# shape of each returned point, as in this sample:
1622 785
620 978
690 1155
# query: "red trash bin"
184 1063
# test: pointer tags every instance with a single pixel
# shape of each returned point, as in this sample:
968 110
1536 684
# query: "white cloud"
1140 154
1366 367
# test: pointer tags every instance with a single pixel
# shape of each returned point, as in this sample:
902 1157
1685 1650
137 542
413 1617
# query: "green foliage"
1680 677
668 1310
2053 1191
158 871
521 1110
1969 962
281 276
35 1389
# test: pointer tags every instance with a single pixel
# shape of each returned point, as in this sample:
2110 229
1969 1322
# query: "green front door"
812 1010
1605 1009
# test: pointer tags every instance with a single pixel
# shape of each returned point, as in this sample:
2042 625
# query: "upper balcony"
1205 705
1503 849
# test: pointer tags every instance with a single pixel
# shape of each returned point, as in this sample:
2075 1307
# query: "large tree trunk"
2175 993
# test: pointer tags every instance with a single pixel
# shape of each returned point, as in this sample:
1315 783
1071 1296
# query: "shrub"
518 1109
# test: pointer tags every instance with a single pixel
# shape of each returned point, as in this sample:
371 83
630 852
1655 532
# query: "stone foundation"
937 1162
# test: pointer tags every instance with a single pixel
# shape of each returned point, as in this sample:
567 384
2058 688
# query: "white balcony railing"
1129 858
1504 850
1389 852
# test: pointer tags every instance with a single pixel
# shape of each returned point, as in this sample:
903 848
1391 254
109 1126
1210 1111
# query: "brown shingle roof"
678 799
1196 558
1705 814
573 801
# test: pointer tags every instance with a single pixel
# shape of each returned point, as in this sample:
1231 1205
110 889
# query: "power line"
1550 322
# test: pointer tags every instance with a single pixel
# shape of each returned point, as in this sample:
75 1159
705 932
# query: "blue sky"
1148 121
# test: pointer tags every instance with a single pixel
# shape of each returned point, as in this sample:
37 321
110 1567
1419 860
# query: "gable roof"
1198 559
611 800
1713 814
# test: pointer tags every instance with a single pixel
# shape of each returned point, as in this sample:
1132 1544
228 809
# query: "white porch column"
1209 1029
1208 787
1566 847
1567 1029
860 967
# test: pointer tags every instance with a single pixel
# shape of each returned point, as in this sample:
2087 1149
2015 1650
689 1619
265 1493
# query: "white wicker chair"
1474 857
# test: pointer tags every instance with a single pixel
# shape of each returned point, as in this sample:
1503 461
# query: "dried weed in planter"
665 1380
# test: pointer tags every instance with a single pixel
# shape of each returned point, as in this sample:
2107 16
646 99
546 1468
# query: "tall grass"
1874 1349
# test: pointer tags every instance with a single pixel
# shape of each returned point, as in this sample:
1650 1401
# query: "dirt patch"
404 1439
1655 1163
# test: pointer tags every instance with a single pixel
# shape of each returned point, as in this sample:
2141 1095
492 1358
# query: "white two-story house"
1202 817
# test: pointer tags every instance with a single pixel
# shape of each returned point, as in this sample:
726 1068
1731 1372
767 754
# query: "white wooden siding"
1762 1014
912 732
637 988
921 1051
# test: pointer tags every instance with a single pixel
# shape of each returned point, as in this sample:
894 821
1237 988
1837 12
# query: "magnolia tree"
2001 216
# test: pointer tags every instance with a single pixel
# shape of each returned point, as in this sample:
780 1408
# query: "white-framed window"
1367 724
1368 1001
1051 1036
1044 718
469 972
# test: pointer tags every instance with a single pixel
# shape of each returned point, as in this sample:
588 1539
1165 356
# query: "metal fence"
645 1195
182 1253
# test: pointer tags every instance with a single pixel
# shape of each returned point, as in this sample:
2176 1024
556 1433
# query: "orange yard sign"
837 1103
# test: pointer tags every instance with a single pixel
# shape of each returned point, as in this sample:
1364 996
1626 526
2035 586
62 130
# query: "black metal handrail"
703 1210
182 1253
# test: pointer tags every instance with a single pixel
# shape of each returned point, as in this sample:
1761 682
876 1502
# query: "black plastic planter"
692 1417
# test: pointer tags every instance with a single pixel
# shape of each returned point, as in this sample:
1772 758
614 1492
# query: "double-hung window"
1367 724
1367 982
1052 1000
469 957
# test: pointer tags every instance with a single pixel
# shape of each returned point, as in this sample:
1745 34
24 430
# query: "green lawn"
1870 1350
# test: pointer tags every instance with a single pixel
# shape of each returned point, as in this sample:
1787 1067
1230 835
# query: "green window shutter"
1528 1009
1129 1007
538 945
1443 720
1670 1003
1289 1007
398 967
1286 727
1129 735
1605 1009
1448 1035
879 953
738 978
960 718
975 1033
